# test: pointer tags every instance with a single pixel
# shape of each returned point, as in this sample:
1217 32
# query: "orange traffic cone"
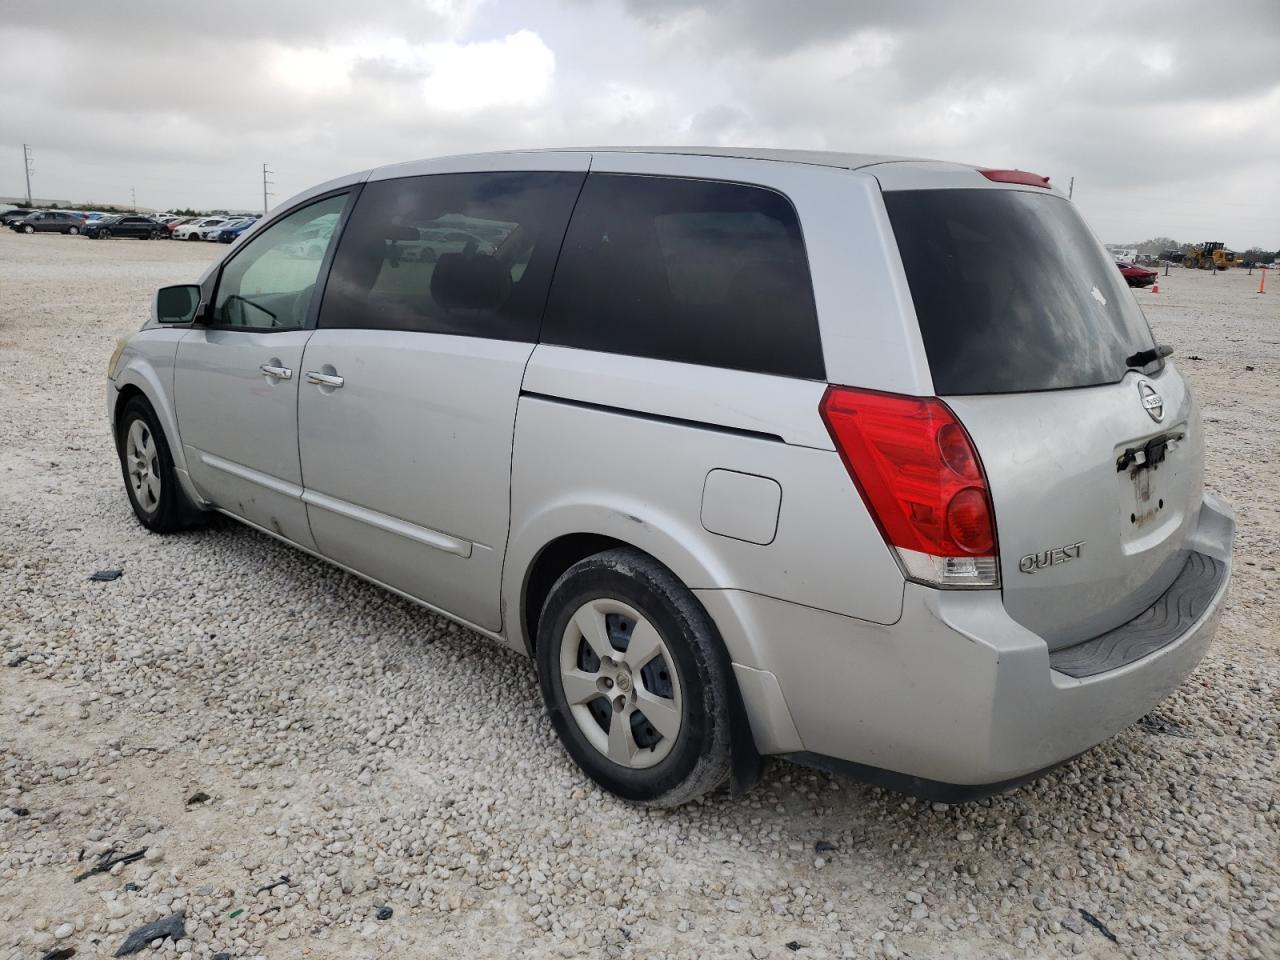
1155 287
1262 284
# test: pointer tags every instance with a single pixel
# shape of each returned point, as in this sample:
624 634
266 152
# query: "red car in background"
1137 276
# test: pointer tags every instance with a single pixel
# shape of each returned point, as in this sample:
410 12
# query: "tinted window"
466 253
690 270
268 285
1013 292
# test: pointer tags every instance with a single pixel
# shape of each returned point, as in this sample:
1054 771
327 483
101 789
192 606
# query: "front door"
236 377
410 382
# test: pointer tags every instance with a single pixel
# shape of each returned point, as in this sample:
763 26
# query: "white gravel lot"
378 756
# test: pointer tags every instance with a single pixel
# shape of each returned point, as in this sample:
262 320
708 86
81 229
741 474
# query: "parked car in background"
1137 276
177 222
942 542
132 225
17 213
194 230
311 240
231 232
48 221
213 233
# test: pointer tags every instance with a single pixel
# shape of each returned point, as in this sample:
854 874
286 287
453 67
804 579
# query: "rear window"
695 271
1013 292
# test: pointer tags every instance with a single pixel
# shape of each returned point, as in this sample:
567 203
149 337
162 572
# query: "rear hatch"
1090 441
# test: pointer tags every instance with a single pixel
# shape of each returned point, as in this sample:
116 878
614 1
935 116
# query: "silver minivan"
865 462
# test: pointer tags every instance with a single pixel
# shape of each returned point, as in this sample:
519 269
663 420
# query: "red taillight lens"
920 476
969 522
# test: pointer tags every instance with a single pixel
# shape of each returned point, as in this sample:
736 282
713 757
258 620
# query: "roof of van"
824 158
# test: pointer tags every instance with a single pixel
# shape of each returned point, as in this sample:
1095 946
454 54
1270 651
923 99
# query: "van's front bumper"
956 699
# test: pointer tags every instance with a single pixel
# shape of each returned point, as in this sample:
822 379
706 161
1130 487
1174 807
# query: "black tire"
173 511
28 229
699 761
193 236
104 234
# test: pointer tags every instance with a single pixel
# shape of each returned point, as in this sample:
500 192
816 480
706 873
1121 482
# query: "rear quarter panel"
595 453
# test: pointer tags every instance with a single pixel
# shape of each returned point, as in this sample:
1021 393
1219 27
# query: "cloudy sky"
1168 117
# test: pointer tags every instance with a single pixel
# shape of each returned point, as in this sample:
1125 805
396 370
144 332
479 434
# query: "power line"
266 181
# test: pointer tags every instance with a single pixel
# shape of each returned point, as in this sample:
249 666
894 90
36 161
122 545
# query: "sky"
1166 115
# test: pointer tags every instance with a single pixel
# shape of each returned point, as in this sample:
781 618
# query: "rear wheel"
72 231
635 679
147 465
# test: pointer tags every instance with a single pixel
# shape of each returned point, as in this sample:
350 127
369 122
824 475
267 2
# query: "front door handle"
279 373
324 379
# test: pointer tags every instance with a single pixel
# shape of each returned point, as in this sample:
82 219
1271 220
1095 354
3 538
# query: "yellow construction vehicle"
1208 255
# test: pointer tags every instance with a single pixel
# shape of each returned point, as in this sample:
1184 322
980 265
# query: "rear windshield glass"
1013 292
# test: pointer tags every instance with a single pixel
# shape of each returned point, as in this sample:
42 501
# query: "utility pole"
27 168
133 194
1071 188
265 183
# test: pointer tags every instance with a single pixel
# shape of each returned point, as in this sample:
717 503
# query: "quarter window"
695 271
269 284
468 254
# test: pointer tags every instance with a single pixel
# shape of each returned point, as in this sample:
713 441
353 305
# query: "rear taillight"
920 476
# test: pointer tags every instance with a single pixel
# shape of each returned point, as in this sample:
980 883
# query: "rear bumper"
956 698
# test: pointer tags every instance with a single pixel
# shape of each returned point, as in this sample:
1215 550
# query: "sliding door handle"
279 373
324 379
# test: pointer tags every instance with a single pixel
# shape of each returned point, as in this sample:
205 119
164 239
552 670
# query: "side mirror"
176 304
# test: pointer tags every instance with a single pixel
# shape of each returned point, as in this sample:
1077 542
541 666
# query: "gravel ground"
245 714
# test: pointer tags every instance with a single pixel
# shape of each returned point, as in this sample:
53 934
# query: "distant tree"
1257 255
1157 245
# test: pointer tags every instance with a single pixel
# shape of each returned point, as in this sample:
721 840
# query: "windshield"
1013 292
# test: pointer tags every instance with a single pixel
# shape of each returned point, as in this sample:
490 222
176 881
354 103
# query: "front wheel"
28 229
193 236
104 234
635 679
147 465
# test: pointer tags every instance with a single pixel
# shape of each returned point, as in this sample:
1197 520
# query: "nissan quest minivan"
865 462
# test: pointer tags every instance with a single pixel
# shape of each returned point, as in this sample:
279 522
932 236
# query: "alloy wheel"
620 683
143 464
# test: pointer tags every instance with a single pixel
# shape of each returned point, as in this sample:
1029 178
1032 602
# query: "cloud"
1165 119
